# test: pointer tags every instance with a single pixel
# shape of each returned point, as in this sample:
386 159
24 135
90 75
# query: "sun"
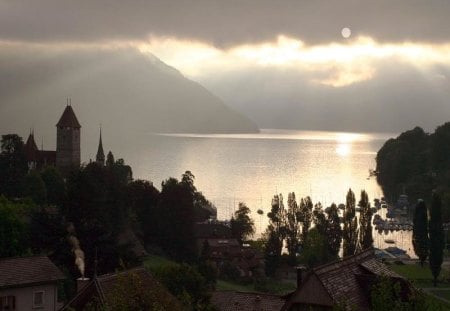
346 32
343 149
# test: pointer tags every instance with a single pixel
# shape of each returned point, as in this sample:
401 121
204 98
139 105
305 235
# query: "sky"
348 65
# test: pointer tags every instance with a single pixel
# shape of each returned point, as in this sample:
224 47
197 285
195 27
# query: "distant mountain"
128 92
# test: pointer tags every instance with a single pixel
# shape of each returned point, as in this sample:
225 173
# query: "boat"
389 241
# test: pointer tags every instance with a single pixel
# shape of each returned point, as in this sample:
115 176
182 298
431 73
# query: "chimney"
300 273
81 283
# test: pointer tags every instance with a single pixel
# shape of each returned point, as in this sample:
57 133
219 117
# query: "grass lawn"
421 277
154 261
443 293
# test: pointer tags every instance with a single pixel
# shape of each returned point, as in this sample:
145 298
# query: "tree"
34 188
275 234
315 249
132 292
13 165
293 229
185 283
242 226
365 222
13 237
350 233
395 295
334 230
110 159
305 216
420 232
436 232
55 185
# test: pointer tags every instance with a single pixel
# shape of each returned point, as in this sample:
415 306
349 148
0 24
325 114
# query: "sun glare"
343 63
343 149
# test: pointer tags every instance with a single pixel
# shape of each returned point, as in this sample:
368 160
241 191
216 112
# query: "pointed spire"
100 158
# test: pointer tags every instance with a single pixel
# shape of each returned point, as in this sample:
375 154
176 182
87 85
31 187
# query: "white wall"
24 297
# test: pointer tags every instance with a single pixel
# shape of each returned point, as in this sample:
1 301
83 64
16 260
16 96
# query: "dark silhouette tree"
305 217
13 165
34 188
420 232
55 185
275 235
242 225
110 159
293 230
333 230
13 238
436 232
365 222
350 232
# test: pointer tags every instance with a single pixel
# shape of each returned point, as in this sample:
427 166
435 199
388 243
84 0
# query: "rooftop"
21 271
68 119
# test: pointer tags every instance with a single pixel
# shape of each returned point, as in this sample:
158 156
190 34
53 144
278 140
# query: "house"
347 281
28 283
135 285
240 301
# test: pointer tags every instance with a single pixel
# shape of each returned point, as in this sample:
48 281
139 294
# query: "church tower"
68 141
100 158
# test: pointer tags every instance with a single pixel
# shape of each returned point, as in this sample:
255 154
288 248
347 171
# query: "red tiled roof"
342 279
239 301
68 119
21 271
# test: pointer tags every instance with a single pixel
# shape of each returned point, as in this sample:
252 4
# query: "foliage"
142 198
387 295
350 232
333 230
96 205
13 165
315 251
34 188
365 222
436 233
305 217
131 292
293 229
242 225
274 235
185 283
13 230
54 183
420 238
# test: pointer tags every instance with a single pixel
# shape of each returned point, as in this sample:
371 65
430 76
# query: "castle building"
67 155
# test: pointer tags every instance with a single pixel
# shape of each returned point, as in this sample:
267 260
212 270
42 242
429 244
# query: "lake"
251 168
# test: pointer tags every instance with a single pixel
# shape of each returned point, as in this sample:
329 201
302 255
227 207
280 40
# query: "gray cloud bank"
223 23
399 97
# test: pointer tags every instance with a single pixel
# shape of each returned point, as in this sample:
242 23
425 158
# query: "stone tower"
100 158
68 141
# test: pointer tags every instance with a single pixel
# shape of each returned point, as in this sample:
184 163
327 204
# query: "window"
7 303
38 299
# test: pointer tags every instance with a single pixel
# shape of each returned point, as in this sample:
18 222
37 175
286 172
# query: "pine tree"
365 225
334 230
436 232
420 232
292 227
350 233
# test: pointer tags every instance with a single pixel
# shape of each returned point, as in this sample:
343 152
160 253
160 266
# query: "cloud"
224 23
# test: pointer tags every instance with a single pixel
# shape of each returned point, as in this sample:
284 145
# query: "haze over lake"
251 168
